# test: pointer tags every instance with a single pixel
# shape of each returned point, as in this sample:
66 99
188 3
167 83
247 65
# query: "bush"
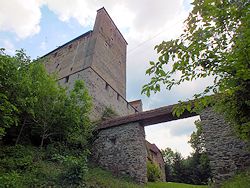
76 169
12 179
36 111
108 113
241 180
153 172
27 166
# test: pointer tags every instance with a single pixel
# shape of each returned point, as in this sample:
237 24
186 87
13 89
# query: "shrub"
153 172
241 180
108 113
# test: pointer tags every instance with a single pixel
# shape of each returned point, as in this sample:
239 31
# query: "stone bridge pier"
120 144
227 153
122 150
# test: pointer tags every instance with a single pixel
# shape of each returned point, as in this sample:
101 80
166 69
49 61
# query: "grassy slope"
98 178
241 180
173 185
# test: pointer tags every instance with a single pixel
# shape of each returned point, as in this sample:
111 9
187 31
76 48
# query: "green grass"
98 178
173 185
241 180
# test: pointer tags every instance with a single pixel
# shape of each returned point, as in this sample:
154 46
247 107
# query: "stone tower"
99 58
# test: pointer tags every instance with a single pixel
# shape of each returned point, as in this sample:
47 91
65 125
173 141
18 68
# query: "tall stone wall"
103 95
99 58
71 57
109 59
226 152
122 150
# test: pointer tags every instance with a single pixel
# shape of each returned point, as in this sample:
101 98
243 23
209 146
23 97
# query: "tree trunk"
21 130
43 137
41 145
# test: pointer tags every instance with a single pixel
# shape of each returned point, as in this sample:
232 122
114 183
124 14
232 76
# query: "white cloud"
174 134
82 11
142 18
20 17
8 46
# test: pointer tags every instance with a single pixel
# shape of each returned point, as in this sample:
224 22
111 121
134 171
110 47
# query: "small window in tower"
66 79
118 96
71 68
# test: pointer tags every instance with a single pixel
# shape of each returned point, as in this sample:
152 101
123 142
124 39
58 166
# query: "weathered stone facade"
122 150
99 58
154 155
103 95
227 153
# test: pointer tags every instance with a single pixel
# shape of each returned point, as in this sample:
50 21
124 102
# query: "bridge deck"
150 117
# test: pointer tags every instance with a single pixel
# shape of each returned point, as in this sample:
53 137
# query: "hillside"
97 178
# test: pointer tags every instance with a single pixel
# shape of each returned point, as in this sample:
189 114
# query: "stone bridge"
120 143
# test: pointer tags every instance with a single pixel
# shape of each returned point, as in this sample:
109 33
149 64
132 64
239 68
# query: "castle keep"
99 58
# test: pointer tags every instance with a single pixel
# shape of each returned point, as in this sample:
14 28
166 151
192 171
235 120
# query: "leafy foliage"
216 43
108 113
28 166
36 111
195 169
153 172
40 108
197 140
241 180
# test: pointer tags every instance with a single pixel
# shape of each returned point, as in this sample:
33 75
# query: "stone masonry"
122 150
99 58
227 153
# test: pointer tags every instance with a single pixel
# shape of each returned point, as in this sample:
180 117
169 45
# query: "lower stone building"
154 155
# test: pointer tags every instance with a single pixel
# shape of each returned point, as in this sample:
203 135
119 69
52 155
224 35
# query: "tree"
194 169
197 141
178 168
215 42
36 110
200 171
168 157
76 115
34 104
12 87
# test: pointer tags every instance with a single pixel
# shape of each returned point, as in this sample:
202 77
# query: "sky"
39 26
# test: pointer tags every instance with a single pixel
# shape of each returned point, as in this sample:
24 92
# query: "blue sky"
39 26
